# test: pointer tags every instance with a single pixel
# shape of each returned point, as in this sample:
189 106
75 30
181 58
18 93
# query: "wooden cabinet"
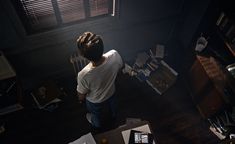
207 82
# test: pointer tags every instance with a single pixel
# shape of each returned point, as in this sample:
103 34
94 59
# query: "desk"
207 82
115 136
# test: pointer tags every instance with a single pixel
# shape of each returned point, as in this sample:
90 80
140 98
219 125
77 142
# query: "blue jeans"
100 112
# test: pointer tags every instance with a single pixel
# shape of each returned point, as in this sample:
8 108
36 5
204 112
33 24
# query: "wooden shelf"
230 48
226 42
207 83
225 27
10 88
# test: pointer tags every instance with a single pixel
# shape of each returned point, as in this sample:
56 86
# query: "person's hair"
90 46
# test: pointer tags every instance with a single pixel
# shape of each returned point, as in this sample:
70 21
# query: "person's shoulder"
111 52
83 72
114 51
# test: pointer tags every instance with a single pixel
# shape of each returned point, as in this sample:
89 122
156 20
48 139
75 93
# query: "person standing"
96 81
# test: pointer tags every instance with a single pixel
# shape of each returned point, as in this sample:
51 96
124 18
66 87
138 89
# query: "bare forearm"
81 97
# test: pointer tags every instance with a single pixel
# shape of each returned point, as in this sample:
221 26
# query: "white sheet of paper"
126 133
6 71
85 139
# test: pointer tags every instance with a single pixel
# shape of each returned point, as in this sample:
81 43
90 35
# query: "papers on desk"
85 139
126 133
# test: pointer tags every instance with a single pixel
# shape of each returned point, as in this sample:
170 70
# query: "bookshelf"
225 28
10 88
209 87
208 78
207 82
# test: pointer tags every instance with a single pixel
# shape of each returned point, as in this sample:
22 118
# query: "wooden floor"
173 116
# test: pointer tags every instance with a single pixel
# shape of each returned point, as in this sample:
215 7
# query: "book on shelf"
233 40
219 20
224 24
218 134
221 124
48 93
227 27
230 32
233 47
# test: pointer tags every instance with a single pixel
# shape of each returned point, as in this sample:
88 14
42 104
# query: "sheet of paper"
85 139
6 71
126 133
159 51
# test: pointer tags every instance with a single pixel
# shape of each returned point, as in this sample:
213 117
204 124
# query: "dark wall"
138 27
8 33
193 13
188 29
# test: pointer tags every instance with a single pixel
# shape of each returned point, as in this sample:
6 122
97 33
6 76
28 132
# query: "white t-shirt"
98 82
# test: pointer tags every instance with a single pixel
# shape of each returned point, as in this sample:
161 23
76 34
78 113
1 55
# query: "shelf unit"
10 88
225 27
207 82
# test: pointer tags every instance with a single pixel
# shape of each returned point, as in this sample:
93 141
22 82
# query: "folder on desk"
139 137
126 134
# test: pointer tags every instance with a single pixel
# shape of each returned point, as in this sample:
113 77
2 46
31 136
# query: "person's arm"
121 68
81 97
82 89
120 61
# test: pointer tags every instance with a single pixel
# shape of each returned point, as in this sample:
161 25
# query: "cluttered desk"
139 132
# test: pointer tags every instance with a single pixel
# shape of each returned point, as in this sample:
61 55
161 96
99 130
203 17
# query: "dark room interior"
38 38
